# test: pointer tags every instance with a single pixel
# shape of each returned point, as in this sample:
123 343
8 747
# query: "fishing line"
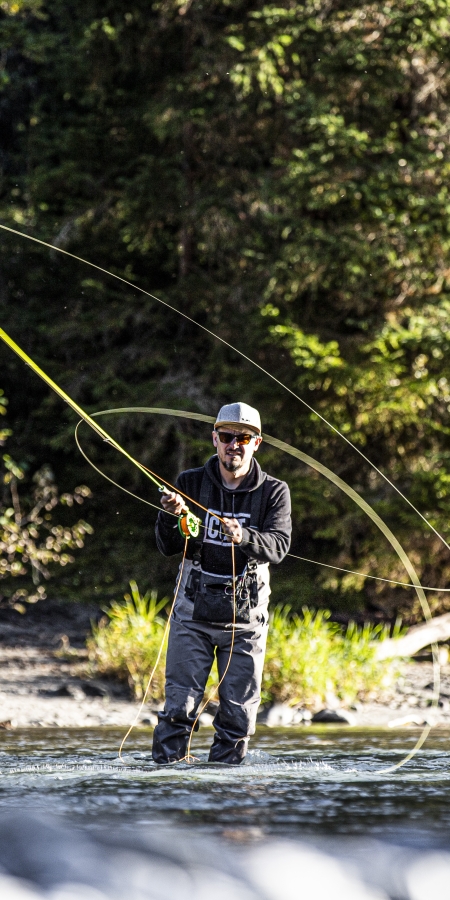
217 337
276 443
103 474
147 470
405 584
373 515
304 457
313 463
200 417
188 757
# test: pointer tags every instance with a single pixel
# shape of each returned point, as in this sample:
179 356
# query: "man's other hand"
233 530
173 503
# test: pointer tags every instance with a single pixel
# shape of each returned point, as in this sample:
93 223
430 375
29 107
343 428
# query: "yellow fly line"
281 445
200 417
298 454
327 473
363 505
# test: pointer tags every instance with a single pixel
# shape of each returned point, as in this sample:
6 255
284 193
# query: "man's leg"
190 655
239 693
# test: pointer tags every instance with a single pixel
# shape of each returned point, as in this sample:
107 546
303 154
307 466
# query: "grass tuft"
126 641
311 661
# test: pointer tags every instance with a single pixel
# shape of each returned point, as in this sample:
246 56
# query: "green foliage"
4 432
30 542
279 174
126 642
308 660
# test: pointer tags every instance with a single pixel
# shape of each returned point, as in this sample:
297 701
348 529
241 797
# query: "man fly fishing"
252 510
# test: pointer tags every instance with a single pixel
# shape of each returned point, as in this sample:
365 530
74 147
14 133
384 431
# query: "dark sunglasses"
225 437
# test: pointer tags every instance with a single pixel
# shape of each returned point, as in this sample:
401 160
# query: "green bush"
126 642
308 659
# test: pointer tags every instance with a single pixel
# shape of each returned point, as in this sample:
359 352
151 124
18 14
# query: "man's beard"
232 465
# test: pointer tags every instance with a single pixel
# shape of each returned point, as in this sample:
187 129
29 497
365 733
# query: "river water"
295 782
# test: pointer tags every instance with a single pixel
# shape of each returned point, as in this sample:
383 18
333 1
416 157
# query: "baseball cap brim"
242 426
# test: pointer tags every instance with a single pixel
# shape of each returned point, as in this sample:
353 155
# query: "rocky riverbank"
44 684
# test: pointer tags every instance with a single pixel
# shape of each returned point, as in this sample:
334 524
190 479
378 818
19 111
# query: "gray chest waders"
212 596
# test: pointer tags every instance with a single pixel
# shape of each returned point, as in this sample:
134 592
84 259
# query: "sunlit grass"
309 660
125 643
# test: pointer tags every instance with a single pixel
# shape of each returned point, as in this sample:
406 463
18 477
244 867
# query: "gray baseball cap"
238 415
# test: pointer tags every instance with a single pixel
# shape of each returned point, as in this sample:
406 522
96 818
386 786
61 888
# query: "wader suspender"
252 564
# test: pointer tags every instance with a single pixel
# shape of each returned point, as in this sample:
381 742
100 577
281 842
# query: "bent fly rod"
188 523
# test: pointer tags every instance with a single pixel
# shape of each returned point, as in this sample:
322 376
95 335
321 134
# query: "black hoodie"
268 543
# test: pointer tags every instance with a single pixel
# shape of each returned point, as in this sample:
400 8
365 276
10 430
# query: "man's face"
233 455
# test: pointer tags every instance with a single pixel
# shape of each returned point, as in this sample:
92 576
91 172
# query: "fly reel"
189 525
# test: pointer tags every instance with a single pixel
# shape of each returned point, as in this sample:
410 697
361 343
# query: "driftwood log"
417 637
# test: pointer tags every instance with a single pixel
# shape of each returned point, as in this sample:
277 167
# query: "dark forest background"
281 175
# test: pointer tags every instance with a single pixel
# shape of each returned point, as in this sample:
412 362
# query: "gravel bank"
39 688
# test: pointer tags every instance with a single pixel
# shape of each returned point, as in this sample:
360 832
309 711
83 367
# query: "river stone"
63 690
333 716
206 719
278 715
150 718
412 719
91 689
43 858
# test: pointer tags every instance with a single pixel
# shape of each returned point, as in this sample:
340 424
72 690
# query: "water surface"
322 781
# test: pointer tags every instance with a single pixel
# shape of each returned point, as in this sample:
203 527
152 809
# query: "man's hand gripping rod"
188 524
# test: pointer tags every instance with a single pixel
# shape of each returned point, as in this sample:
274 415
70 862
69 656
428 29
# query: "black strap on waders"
203 500
205 492
256 504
